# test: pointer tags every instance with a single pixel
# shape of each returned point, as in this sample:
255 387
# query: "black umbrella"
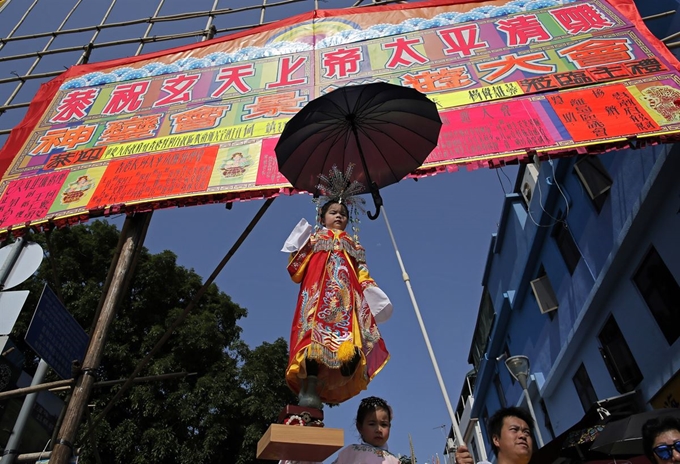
385 130
624 437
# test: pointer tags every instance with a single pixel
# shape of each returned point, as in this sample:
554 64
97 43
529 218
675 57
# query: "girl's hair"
372 403
327 205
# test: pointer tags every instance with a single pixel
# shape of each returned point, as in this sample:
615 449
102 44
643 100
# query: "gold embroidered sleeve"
298 261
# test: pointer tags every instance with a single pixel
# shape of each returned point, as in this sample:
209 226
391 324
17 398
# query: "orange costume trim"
332 319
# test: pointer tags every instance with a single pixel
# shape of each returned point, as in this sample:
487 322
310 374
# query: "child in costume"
374 420
335 346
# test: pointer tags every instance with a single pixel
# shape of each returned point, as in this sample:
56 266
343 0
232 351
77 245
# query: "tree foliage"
215 416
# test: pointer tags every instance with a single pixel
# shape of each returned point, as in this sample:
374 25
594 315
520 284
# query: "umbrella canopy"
624 437
385 130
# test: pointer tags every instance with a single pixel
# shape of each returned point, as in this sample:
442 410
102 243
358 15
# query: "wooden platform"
297 443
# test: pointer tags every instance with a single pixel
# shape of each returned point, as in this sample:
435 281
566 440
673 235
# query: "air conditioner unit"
529 182
544 293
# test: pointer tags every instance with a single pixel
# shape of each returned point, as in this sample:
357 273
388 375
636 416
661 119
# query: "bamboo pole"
134 238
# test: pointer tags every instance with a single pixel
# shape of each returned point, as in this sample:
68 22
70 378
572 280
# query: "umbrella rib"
377 128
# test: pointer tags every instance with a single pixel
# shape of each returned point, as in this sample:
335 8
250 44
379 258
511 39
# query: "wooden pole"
135 232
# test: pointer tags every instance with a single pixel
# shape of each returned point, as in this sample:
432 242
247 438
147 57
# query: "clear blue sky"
442 225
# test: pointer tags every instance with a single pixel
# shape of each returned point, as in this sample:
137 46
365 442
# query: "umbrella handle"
377 200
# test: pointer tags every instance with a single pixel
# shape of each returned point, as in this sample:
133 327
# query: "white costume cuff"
298 237
379 302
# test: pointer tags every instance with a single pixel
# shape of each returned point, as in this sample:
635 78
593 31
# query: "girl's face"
335 217
375 429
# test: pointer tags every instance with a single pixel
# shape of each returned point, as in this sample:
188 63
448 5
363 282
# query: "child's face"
336 217
375 429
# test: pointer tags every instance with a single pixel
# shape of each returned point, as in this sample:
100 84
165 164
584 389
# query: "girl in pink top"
374 419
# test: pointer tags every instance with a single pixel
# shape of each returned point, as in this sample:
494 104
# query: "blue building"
582 278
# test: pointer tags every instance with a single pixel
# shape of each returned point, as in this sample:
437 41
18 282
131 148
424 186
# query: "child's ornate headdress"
337 187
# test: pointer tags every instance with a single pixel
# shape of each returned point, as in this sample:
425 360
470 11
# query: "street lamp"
519 369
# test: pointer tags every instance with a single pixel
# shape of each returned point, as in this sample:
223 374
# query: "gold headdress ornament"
337 187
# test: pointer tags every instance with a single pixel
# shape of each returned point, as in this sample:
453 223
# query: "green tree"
215 416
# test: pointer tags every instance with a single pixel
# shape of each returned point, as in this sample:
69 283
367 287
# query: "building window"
546 419
499 391
661 292
567 245
618 358
480 339
595 179
584 388
544 293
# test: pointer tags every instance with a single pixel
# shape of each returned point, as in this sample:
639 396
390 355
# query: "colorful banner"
200 123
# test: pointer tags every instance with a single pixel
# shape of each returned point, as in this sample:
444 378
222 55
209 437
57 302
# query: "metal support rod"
407 281
149 26
539 437
63 448
11 260
18 24
210 28
35 63
85 57
4 5
35 388
61 385
264 7
33 457
671 37
12 448
659 15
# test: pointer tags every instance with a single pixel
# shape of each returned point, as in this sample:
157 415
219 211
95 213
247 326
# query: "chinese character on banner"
125 130
341 63
69 158
505 65
538 84
275 104
598 52
288 67
74 105
573 78
609 73
234 77
440 79
403 52
197 119
645 66
577 19
177 89
126 97
65 139
522 29
462 40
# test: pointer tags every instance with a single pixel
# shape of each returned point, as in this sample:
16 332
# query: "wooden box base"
298 443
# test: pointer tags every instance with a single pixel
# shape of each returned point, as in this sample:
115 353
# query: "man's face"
514 444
